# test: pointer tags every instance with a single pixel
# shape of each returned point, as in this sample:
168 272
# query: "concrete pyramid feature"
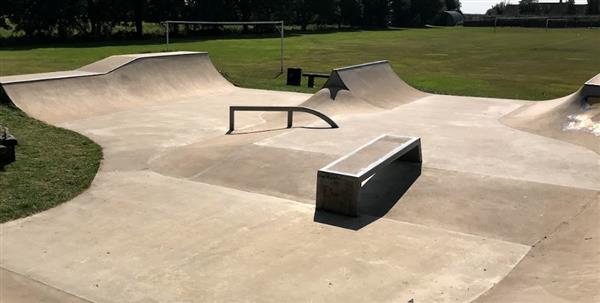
374 82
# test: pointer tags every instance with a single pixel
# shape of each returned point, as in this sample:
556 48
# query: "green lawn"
519 63
55 165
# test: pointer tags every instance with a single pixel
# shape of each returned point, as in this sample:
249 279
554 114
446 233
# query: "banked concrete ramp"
375 82
574 118
374 86
363 88
114 84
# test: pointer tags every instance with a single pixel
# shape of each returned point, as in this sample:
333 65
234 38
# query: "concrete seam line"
514 178
509 178
503 277
583 208
310 207
571 219
45 284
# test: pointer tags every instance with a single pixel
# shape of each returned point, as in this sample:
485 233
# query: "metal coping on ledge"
360 65
411 141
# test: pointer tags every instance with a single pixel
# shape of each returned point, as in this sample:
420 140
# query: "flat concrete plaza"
180 211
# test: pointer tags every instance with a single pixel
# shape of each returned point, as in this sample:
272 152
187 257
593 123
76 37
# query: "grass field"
522 63
54 165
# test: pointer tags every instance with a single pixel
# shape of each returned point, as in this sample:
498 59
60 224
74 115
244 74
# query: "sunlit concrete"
182 212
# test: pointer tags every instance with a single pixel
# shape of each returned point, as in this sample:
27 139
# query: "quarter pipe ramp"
114 84
574 118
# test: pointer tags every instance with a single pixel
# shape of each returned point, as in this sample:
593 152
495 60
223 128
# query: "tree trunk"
139 17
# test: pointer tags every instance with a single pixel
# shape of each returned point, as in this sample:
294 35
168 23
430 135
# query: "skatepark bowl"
503 208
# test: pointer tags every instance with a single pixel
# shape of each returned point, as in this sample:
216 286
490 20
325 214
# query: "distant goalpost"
278 24
548 20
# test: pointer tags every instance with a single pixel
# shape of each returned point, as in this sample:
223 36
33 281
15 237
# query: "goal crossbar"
280 28
222 23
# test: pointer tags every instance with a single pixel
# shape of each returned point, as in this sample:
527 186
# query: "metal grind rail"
289 109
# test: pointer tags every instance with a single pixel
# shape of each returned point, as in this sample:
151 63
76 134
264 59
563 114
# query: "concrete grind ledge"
339 183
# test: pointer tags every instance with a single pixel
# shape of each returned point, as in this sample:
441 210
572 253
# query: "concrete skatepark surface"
503 209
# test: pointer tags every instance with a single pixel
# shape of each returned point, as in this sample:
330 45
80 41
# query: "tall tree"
593 7
324 11
425 10
4 12
402 14
351 12
529 7
139 8
497 9
304 12
44 18
376 13
217 10
571 10
162 10
104 15
452 5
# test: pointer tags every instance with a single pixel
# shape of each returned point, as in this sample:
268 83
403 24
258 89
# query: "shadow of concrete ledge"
377 197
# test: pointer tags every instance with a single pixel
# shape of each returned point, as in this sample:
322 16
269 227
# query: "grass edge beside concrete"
53 166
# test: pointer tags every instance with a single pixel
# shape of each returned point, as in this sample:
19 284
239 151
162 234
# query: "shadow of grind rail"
273 108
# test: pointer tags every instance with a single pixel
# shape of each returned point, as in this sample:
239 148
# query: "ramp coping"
595 81
360 65
46 76
76 73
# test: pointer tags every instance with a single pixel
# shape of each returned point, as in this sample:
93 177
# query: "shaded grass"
53 165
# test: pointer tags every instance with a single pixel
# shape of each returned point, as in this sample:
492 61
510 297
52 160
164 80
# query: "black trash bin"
294 76
7 147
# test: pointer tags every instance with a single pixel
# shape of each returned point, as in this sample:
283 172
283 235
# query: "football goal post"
556 20
278 24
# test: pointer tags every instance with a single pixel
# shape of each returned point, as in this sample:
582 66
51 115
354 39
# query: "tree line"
99 18
531 7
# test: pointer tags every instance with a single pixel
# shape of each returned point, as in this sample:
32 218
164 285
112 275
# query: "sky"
481 6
